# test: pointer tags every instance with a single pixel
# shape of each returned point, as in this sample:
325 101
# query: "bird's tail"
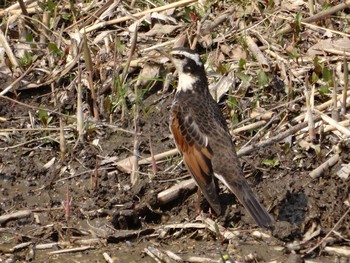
246 196
255 209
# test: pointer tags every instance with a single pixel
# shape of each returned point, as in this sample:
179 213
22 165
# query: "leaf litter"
88 167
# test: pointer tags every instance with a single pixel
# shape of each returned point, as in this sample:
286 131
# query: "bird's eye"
179 56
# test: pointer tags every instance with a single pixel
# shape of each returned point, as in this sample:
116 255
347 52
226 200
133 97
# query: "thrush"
203 139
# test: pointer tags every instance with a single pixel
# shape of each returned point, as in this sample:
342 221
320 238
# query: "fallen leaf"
160 29
341 44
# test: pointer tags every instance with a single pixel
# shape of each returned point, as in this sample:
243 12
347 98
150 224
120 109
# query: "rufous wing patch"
196 155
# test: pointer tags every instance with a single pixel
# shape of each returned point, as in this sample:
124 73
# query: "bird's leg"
198 202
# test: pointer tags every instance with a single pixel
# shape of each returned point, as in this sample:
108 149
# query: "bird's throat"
186 82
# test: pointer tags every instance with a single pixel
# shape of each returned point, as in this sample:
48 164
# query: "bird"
203 138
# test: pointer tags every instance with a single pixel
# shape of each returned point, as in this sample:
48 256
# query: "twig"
255 50
66 116
107 257
2 93
328 128
158 254
80 115
63 148
335 51
9 52
184 226
135 176
309 116
336 124
271 120
346 82
201 259
26 15
154 164
248 127
335 109
173 256
311 7
339 251
90 72
51 137
137 15
209 27
329 163
70 250
321 107
131 53
173 192
15 215
125 164
274 139
224 232
33 129
150 253
317 17
328 234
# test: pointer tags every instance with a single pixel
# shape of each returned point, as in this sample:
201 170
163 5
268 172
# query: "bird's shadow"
293 208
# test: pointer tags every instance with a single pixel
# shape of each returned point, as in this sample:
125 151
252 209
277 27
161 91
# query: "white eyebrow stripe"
194 57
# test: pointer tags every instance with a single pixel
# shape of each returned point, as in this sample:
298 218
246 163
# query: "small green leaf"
244 77
298 21
66 16
271 162
44 117
119 46
51 5
263 79
318 66
241 64
29 37
52 47
223 68
314 78
324 90
327 74
55 50
26 60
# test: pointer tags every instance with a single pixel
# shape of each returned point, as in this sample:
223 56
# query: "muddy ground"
123 220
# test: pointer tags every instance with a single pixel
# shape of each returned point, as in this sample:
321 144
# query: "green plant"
55 50
271 162
233 105
191 14
223 68
297 27
322 72
44 117
263 79
27 60
48 5
118 97
241 65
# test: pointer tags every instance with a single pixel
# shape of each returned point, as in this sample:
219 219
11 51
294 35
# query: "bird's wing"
197 154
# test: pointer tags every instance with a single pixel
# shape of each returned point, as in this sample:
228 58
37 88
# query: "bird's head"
186 61
189 67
